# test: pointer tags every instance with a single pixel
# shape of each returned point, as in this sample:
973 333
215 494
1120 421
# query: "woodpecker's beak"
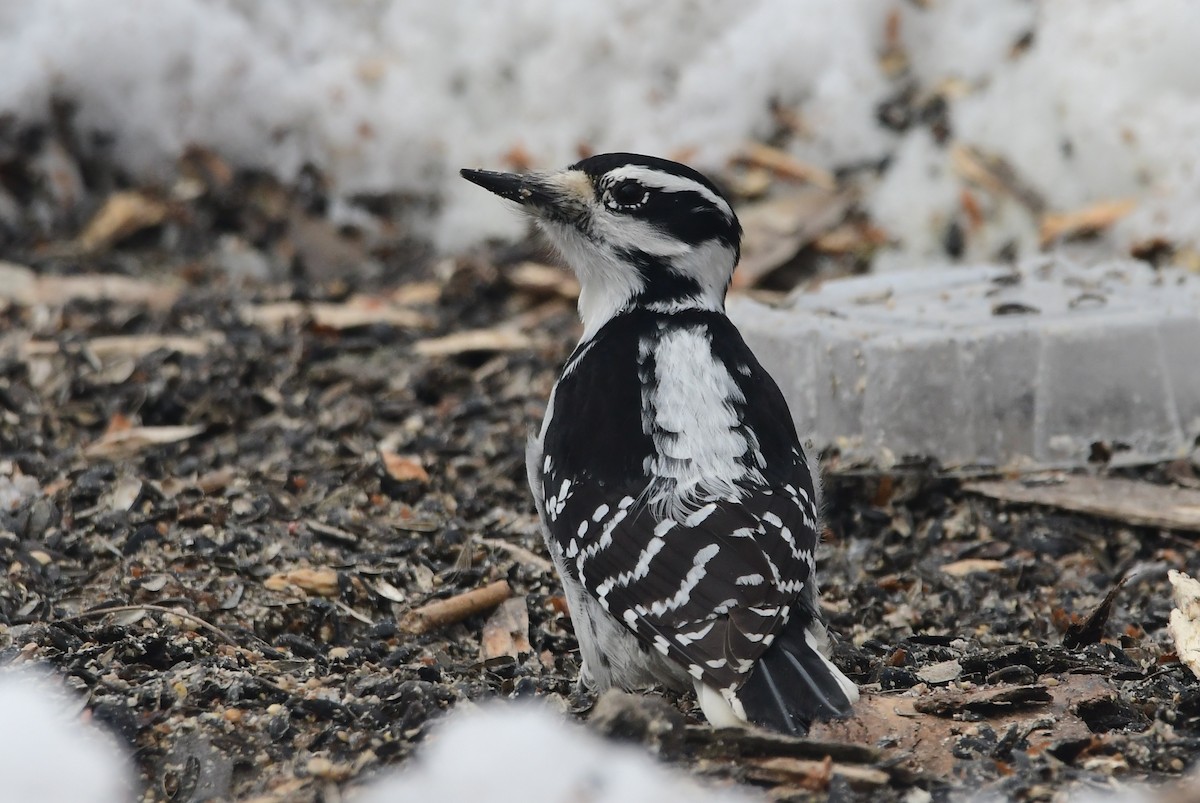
561 197
525 189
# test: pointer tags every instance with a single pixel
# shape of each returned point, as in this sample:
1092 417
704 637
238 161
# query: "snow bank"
525 754
47 754
395 96
1104 105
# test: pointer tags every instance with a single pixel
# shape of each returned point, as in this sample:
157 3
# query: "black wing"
709 590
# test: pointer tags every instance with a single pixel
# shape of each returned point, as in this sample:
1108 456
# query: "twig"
454 609
213 629
519 552
783 164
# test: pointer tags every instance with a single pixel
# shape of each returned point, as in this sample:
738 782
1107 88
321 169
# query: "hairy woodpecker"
673 492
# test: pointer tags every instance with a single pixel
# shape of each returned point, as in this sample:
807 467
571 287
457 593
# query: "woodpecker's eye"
626 195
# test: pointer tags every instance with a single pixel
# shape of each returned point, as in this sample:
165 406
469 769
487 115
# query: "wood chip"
814 776
1088 220
506 632
123 214
321 581
940 673
995 175
851 238
473 340
445 612
989 701
1138 503
117 443
543 280
23 287
331 533
356 312
961 568
759 743
403 468
921 739
520 553
1091 629
775 230
416 293
386 590
1184 624
131 346
784 165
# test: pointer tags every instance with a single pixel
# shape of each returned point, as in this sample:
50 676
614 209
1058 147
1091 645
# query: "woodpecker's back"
675 497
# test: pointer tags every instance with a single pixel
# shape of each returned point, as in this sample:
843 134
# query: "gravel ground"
233 479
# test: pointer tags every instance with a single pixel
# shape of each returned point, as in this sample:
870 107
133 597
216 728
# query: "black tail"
794 683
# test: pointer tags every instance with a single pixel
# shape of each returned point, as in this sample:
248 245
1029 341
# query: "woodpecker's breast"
667 410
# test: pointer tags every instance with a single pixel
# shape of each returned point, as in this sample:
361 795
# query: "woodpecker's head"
637 230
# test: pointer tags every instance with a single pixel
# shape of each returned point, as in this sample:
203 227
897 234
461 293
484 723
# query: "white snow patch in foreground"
1184 624
48 753
514 753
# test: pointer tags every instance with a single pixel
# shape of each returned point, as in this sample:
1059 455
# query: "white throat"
608 284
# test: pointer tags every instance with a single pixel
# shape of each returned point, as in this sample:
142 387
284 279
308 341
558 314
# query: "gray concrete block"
990 366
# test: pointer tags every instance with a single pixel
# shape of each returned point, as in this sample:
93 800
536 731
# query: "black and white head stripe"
657 180
681 201
639 231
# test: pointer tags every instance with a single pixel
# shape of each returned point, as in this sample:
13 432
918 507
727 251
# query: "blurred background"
267 366
901 133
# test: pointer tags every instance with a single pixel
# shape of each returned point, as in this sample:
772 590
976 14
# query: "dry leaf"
131 346
414 293
506 631
126 442
1090 219
995 175
23 287
123 214
775 230
403 468
785 165
850 238
961 568
321 581
921 739
811 775
475 340
358 311
543 280
118 423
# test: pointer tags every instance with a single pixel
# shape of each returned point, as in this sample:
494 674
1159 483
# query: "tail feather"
794 684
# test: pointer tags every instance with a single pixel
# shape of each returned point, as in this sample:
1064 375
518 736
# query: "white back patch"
699 446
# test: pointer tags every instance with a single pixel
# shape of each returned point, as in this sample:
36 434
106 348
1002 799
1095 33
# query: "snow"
1099 103
1184 623
15 487
48 753
523 753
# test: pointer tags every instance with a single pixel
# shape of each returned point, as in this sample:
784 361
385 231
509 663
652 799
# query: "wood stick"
190 617
528 557
783 164
445 612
